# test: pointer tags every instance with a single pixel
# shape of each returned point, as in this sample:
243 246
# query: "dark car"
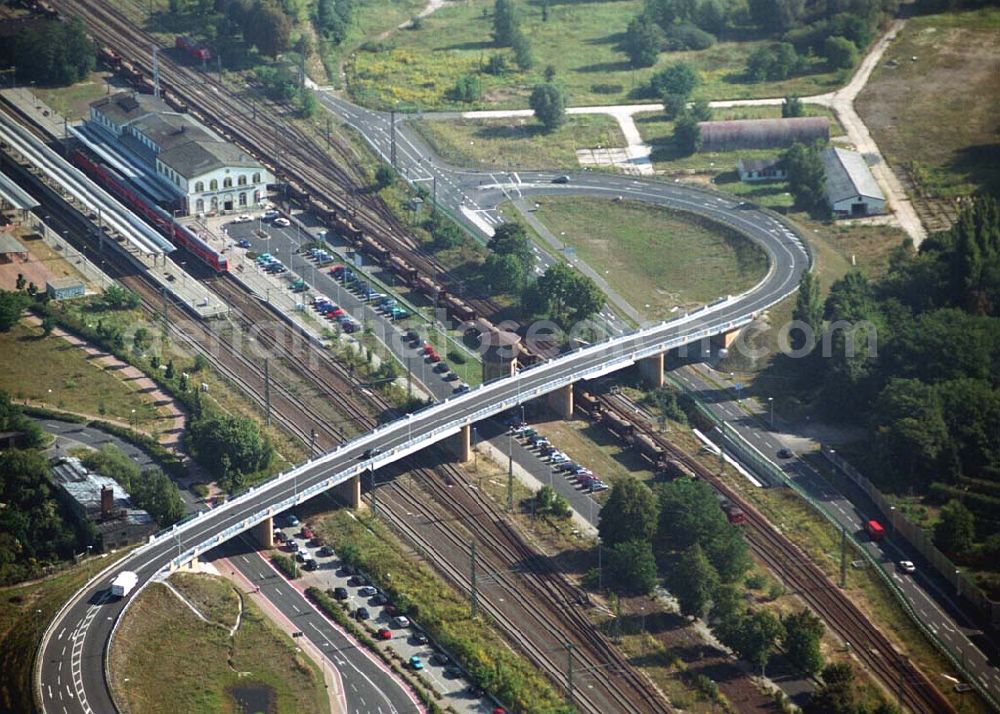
419 638
440 658
441 367
340 593
357 580
326 551
379 599
243 243
785 453
311 564
460 389
373 451
362 613
561 179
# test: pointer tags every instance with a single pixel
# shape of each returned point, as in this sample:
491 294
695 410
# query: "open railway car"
199 52
179 235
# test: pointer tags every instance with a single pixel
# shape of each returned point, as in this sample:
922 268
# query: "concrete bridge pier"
264 532
651 369
190 565
350 491
561 401
726 339
460 445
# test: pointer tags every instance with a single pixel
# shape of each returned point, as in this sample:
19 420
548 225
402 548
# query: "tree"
956 530
523 55
629 514
776 15
729 610
503 272
773 63
701 110
728 553
169 371
550 72
643 40
385 175
792 107
808 307
333 19
12 304
53 52
548 501
711 16
837 695
48 324
117 297
674 105
229 446
689 514
687 134
548 102
806 175
632 567
154 492
679 78
693 581
973 262
840 52
758 638
497 65
563 294
803 631
269 29
21 282
308 104
910 433
511 238
467 88
505 23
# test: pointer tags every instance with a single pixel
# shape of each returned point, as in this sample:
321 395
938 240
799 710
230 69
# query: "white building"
207 174
751 170
850 188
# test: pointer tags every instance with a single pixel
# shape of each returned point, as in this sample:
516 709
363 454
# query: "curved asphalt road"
71 675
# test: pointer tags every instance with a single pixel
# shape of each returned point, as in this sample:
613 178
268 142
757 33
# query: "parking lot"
342 583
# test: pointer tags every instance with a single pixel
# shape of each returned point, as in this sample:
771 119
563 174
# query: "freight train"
179 235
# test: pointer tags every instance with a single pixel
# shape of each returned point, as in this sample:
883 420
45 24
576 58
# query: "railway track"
289 150
911 686
518 581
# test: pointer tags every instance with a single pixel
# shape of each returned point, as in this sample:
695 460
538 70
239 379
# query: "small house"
64 288
751 170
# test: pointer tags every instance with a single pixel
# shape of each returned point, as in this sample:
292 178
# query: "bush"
457 357
286 565
688 37
467 89
385 175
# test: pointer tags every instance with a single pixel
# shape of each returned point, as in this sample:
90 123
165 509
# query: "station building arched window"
241 180
256 178
199 187
243 199
213 185
227 182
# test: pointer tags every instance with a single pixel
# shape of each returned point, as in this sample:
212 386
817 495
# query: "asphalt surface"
71 677
934 600
368 687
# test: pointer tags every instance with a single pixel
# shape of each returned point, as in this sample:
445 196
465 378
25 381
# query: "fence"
773 472
918 539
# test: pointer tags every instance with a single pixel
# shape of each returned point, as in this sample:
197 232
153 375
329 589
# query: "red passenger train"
178 234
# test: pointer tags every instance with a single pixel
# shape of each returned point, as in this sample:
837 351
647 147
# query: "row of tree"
561 293
912 356
703 558
51 52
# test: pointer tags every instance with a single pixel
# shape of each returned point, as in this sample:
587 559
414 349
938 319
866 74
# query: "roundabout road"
70 673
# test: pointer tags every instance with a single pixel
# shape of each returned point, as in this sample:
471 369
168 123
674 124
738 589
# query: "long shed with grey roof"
762 133
850 187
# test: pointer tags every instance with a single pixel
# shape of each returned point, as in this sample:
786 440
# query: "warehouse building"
763 133
207 174
103 502
850 188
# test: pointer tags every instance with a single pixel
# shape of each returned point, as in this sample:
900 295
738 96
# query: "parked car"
367 591
271 214
244 218
279 535
451 377
379 599
326 551
441 367
282 221
400 621
416 663
243 243
419 638
460 389
384 634
291 520
907 567
309 563
362 613
340 594
440 658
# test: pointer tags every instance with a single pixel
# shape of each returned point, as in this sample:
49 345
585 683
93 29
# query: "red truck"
875 530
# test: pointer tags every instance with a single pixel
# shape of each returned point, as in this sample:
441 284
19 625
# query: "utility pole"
510 471
409 380
267 392
843 556
156 72
392 138
472 580
434 194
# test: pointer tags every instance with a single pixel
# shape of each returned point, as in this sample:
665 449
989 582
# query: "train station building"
203 173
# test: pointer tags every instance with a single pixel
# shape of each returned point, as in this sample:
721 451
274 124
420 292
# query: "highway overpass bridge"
70 670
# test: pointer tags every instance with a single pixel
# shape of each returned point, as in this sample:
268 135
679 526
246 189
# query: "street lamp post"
770 402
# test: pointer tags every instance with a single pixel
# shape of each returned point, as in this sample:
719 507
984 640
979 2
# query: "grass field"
580 39
518 142
73 102
931 103
657 259
26 611
197 663
50 370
